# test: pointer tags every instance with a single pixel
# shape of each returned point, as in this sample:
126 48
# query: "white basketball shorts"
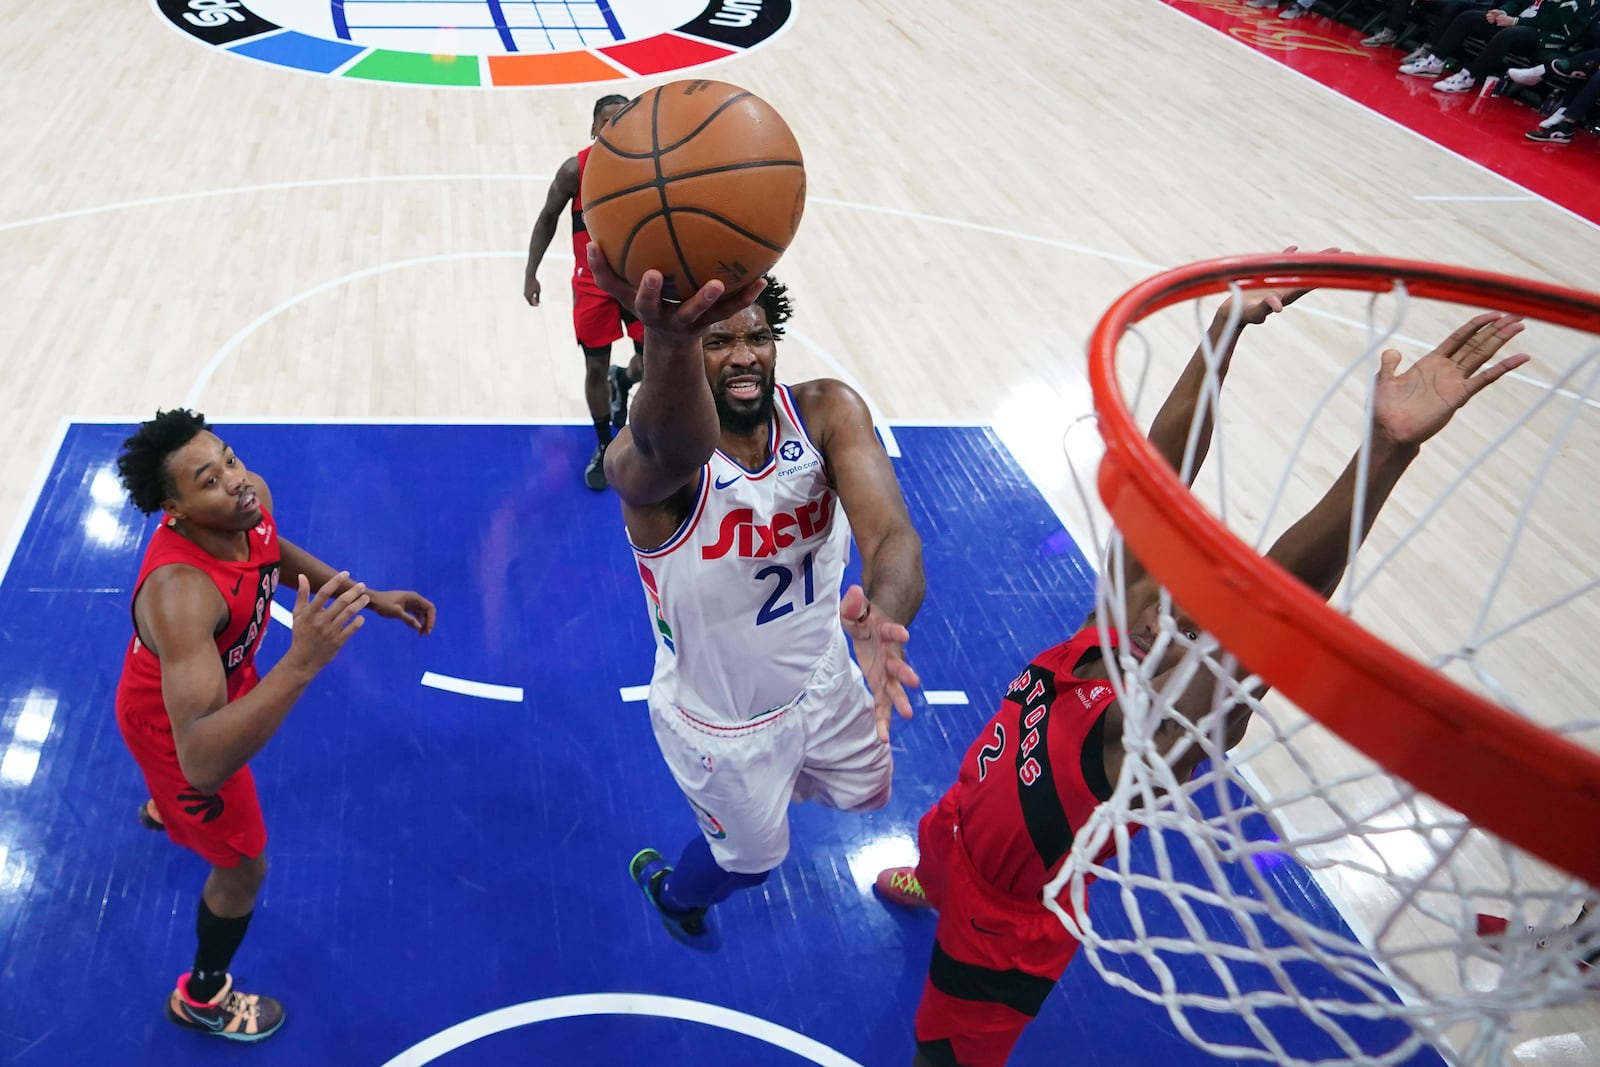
740 779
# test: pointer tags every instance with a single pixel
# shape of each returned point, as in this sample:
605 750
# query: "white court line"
879 423
267 187
1373 112
339 420
945 696
511 694
633 693
30 498
873 209
192 397
582 1004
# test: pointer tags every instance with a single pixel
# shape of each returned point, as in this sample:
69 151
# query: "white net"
1291 902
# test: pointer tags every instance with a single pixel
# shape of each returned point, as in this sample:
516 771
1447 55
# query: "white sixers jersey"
744 599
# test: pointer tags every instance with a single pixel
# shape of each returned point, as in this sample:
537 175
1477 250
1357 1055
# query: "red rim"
1509 776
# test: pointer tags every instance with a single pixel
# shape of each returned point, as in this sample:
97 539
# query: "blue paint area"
434 856
291 49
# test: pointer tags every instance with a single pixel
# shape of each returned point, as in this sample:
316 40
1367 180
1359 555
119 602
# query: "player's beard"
747 416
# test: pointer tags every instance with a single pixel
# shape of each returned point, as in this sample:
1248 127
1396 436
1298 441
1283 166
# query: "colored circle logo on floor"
482 43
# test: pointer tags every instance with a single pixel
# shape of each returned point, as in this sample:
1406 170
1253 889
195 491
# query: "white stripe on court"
633 693
466 687
945 696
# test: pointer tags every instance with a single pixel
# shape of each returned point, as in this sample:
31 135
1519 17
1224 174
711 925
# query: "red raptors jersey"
245 585
580 229
1037 771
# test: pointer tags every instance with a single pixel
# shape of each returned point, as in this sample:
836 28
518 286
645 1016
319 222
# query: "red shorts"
995 956
223 827
597 318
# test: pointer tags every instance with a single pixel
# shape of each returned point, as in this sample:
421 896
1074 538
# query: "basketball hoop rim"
1508 775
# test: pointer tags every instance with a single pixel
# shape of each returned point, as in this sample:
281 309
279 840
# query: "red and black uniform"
226 825
597 318
990 845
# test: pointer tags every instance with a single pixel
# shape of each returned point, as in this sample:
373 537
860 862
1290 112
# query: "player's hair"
774 300
143 463
608 101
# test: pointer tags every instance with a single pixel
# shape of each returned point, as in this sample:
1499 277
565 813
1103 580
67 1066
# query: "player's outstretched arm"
1408 409
875 617
178 610
672 427
563 187
1171 429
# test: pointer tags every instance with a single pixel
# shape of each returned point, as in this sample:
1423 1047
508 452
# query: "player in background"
1054 750
597 318
190 704
732 488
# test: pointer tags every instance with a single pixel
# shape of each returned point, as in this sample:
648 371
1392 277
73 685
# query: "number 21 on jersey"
779 601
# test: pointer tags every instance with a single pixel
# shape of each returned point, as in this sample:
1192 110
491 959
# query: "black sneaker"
1560 133
618 380
594 475
649 870
231 1014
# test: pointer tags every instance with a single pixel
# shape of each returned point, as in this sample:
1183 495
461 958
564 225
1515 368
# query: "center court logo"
482 43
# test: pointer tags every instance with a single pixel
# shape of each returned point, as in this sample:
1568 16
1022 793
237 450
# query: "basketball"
698 180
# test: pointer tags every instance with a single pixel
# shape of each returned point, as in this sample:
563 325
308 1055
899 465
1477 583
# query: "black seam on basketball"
694 174
661 190
656 149
627 242
708 120
740 230
600 139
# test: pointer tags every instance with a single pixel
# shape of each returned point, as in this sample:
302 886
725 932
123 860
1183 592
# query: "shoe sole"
243 1039
903 900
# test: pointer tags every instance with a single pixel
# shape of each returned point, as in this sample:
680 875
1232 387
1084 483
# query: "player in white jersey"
736 493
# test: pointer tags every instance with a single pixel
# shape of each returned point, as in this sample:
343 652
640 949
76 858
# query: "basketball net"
1428 749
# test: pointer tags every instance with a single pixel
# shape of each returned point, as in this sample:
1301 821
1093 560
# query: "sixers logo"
755 540
473 45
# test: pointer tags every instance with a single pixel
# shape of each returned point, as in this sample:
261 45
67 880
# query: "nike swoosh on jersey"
720 484
236 584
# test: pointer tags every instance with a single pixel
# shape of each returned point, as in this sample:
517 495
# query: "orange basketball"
696 179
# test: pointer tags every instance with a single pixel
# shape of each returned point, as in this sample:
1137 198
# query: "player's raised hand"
880 645
1257 304
323 623
1410 407
689 318
413 609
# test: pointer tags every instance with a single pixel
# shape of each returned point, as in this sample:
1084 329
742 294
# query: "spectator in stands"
1439 13
1567 119
1522 25
1295 9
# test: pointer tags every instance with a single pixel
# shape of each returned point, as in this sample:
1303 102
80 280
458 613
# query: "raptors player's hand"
712 303
880 645
323 623
530 290
1257 304
413 609
1411 407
